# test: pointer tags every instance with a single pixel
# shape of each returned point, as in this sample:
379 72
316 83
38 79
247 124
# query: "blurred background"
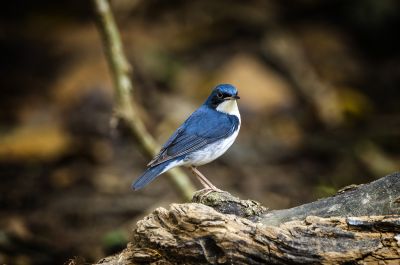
319 85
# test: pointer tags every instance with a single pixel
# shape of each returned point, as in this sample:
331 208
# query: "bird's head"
221 94
223 98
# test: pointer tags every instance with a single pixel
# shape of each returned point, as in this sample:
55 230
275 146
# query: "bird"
203 137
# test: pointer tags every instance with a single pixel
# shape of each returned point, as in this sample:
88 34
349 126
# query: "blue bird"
202 138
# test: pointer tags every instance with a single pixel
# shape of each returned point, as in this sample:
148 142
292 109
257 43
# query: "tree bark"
356 226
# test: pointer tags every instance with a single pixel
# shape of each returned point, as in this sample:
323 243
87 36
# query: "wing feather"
203 127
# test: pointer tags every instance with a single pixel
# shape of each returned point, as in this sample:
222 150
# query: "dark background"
319 82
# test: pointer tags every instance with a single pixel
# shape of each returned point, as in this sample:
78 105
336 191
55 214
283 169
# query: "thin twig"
125 109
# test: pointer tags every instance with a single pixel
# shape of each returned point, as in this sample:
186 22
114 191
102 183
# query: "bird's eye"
219 95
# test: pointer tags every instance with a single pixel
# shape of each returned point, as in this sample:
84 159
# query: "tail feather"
149 175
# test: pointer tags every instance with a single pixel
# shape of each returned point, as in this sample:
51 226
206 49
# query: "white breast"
213 151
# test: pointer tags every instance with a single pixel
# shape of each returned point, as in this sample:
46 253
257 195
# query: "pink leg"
204 181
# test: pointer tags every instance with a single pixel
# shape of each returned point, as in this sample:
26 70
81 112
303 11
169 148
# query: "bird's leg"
206 183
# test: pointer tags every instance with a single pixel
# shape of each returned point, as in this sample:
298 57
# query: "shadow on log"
356 226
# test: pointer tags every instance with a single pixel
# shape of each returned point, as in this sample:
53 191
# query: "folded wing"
203 127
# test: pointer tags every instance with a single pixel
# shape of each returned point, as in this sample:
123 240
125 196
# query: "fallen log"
356 226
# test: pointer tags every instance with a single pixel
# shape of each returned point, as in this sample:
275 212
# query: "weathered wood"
381 197
230 231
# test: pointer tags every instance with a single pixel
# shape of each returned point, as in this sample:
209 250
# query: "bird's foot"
207 191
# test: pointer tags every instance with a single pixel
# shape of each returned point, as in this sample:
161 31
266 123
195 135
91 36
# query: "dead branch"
125 109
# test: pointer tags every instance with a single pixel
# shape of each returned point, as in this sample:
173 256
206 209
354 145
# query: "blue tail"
149 175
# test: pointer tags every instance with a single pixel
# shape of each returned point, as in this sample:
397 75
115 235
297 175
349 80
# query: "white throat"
229 107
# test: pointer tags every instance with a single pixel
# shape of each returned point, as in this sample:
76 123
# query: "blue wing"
203 127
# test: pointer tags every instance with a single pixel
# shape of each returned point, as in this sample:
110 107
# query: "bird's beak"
233 97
